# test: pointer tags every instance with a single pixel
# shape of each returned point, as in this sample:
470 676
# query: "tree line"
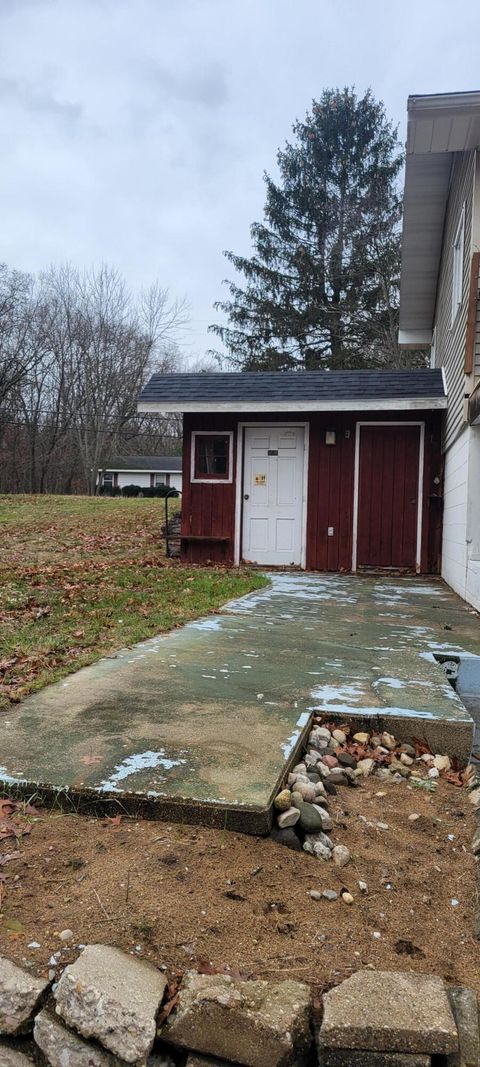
75 349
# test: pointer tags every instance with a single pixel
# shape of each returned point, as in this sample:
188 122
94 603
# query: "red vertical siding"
208 510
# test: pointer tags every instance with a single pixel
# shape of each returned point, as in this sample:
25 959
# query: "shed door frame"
239 479
356 485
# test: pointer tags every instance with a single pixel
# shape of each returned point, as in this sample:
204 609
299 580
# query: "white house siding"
450 340
455 493
143 479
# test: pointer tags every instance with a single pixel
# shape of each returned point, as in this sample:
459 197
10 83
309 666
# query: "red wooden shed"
325 470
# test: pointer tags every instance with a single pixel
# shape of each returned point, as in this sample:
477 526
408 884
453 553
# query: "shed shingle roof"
282 390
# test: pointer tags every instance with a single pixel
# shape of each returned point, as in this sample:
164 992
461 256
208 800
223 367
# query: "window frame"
110 484
458 256
221 480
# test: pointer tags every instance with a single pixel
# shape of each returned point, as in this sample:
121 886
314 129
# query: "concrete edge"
215 815
454 736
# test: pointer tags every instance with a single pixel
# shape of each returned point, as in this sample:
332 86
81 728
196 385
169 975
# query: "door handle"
246 496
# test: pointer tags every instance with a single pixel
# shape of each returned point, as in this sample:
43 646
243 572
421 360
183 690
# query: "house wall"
461 524
450 338
143 479
208 510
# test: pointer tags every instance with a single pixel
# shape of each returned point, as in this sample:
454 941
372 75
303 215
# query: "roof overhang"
438 126
375 404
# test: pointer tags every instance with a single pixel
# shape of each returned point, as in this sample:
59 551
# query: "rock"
286 837
341 855
388 741
396 767
63 1048
260 1024
313 777
12 1057
327 821
363 887
442 763
307 792
406 759
283 800
365 767
323 771
330 761
339 736
409 750
476 841
66 935
296 799
361 738
288 818
330 894
315 847
414 816
474 797
345 759
315 894
20 997
337 1057
427 757
389 1012
463 1003
324 839
310 820
312 758
337 777
114 998
321 732
347 897
330 788
434 772
299 768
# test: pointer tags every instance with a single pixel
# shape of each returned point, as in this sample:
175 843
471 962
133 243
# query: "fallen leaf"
79 633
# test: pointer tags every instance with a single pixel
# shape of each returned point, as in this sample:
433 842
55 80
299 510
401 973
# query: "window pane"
108 479
212 457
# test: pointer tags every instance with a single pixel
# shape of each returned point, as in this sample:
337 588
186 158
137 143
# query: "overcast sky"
136 132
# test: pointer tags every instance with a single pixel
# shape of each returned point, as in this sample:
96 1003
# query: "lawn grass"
81 577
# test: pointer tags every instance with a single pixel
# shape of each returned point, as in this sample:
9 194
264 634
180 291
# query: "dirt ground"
185 896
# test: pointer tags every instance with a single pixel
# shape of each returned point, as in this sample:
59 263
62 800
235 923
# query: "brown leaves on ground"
11 822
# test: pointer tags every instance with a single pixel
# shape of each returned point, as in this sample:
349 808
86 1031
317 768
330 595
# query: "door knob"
246 496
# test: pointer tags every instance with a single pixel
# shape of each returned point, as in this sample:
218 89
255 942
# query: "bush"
147 491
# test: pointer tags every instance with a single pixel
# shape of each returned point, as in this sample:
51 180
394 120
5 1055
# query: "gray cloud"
137 132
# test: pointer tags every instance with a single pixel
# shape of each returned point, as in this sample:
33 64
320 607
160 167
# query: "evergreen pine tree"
321 289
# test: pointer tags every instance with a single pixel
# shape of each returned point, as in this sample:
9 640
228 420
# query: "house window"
457 268
211 457
162 479
107 480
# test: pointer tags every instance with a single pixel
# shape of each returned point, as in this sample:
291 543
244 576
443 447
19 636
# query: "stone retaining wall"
109 1008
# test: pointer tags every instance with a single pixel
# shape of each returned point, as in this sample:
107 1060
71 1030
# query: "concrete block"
259 1024
337 1057
63 1048
20 996
113 998
464 1005
12 1057
389 1011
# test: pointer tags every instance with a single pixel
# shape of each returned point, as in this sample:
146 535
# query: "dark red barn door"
388 496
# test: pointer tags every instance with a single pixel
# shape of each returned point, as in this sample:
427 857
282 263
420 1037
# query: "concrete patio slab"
201 724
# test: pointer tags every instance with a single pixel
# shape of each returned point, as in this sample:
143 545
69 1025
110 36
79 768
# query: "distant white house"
146 471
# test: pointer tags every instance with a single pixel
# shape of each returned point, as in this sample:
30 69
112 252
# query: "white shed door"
273 494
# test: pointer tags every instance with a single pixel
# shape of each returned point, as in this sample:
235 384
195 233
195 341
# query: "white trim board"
233 406
237 547
356 486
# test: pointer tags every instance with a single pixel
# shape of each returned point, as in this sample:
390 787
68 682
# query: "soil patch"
184 896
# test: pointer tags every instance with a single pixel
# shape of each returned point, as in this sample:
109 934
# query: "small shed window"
457 268
211 457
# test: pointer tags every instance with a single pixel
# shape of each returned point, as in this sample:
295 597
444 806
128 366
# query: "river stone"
389 1012
63 1048
366 766
321 732
330 894
337 776
409 750
307 791
341 855
361 738
330 788
286 837
310 820
316 847
327 821
259 1024
296 798
114 998
20 996
283 800
12 1057
288 818
339 736
346 760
